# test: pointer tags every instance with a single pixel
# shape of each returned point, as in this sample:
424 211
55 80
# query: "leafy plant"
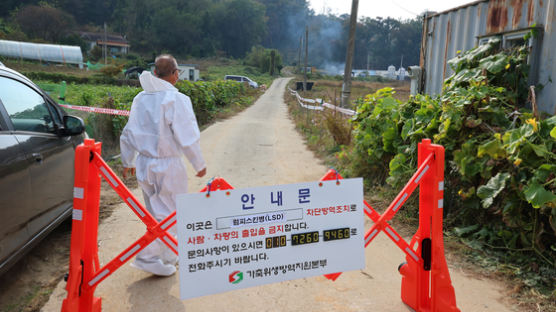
206 97
112 71
500 160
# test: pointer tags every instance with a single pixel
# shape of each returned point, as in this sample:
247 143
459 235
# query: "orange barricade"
426 283
85 272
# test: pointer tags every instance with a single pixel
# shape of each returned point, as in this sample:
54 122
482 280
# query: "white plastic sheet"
41 52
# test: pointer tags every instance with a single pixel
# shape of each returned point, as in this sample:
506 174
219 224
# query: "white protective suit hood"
151 83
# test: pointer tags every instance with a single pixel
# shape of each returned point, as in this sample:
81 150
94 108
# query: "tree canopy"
204 28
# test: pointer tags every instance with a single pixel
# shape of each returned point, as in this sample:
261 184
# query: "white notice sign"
248 237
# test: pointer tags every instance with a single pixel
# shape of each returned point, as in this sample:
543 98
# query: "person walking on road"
162 128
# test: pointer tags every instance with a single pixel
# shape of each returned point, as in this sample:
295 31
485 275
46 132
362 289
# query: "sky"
399 9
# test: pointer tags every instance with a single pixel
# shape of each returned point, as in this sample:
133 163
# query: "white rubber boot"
156 267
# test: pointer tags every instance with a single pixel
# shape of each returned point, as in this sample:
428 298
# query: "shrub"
338 127
500 160
266 60
111 71
207 96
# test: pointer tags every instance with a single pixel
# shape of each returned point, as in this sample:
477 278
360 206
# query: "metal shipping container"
467 26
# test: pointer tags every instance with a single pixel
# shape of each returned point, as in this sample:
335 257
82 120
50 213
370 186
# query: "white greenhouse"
42 52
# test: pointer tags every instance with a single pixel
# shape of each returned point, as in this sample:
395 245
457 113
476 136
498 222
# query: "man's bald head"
165 65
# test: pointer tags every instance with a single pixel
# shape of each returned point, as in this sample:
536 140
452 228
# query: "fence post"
428 287
83 247
62 91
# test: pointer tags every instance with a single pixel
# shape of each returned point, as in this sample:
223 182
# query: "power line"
403 8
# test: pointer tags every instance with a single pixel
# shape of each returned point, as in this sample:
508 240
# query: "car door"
15 185
34 122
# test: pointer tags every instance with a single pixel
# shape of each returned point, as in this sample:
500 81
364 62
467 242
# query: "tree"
95 12
204 28
408 40
44 22
285 21
266 60
175 31
327 40
95 54
385 40
241 25
172 26
9 32
7 6
74 40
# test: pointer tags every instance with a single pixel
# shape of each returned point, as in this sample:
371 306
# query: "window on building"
517 38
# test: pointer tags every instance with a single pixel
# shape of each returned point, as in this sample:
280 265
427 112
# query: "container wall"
461 28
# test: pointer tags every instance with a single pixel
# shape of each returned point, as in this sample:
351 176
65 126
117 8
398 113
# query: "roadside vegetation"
212 98
500 198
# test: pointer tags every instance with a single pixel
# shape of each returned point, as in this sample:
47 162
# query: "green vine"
500 159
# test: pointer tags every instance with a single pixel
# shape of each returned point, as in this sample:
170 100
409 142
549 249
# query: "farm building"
41 52
187 71
115 43
470 25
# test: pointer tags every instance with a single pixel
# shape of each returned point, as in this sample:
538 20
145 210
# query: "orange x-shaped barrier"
426 284
85 272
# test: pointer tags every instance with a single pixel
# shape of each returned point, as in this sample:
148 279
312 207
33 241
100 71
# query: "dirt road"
261 147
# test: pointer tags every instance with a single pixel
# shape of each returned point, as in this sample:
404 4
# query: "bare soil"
27 286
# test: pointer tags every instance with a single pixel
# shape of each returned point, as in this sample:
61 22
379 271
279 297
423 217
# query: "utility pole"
306 55
346 87
368 60
272 56
299 57
105 46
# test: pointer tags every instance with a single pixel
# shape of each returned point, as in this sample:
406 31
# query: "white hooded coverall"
162 128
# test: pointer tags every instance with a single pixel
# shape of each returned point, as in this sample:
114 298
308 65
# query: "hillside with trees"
206 28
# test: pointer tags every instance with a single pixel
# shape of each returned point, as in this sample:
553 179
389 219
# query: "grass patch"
331 90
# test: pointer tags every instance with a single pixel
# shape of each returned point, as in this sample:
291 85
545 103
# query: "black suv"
37 142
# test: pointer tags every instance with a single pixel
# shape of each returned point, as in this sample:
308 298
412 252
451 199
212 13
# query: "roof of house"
111 39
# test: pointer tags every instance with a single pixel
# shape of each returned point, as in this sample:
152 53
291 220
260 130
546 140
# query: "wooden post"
306 54
299 56
346 87
272 56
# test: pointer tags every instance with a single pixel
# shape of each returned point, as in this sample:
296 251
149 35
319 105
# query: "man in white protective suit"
162 128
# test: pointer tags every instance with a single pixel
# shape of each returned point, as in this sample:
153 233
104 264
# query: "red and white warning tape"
108 111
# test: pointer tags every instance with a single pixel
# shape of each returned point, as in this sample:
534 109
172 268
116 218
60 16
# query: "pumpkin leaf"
492 148
494 63
537 195
494 186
